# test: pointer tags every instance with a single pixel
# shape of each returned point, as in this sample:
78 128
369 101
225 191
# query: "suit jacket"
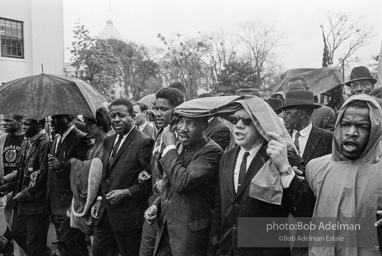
219 132
187 199
60 194
324 117
231 205
319 144
149 130
121 172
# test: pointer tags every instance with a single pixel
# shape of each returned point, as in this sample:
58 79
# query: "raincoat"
266 184
349 188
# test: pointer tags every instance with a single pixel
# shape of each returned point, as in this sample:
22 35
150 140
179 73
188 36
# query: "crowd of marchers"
138 181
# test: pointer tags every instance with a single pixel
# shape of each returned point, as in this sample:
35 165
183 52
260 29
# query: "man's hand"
299 173
34 177
95 209
151 214
115 197
277 151
53 163
158 185
143 176
168 137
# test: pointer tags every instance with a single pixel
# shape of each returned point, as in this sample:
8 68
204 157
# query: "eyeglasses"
363 85
247 121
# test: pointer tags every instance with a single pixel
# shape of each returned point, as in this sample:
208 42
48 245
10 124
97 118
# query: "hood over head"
372 150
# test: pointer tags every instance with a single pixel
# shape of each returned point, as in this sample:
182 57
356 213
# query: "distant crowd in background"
139 181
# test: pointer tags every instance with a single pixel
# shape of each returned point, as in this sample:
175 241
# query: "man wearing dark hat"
311 142
275 104
323 117
360 81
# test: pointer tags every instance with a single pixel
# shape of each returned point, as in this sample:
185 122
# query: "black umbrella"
45 95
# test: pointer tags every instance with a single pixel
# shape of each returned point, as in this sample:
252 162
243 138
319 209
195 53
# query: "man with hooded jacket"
348 182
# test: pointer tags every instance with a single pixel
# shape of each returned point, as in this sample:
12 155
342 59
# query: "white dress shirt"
303 139
63 136
239 159
142 126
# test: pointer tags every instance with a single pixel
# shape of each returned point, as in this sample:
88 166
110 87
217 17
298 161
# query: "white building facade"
31 35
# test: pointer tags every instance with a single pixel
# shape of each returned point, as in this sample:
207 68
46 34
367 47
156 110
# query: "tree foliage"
139 72
94 60
259 41
219 51
235 75
182 62
344 36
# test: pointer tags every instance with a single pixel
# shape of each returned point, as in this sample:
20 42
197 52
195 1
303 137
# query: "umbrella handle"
48 129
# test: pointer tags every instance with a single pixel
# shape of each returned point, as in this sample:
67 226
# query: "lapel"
145 129
311 144
256 164
67 141
123 147
230 170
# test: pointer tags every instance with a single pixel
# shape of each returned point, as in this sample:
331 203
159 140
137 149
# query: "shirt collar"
252 151
142 126
68 131
306 131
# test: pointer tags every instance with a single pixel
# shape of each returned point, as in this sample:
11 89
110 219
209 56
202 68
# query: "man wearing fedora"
323 117
361 81
311 141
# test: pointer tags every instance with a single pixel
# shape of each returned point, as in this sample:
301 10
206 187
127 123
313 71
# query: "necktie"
59 143
116 146
296 142
243 169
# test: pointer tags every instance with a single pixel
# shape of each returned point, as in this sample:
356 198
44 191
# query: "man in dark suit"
323 117
185 207
140 110
123 200
166 100
237 169
310 141
68 143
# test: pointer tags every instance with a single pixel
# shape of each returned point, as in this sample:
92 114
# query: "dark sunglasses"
247 121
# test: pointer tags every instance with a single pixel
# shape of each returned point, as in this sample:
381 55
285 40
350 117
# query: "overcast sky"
141 20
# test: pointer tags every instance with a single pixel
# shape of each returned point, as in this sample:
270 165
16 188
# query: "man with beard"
166 100
30 218
68 143
348 183
184 209
10 144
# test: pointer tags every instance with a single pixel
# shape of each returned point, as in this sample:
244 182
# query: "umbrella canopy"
319 80
149 100
45 95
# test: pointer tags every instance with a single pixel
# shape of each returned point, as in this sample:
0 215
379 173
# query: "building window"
12 40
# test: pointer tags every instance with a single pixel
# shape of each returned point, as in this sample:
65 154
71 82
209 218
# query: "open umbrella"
149 100
45 95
